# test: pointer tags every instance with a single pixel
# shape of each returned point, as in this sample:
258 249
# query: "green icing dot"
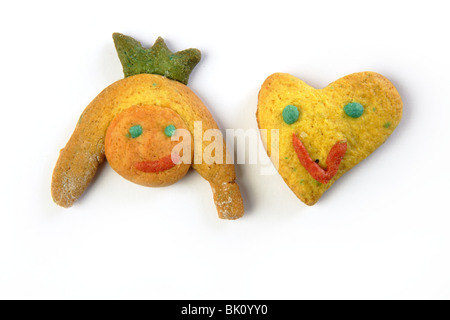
135 131
387 125
354 109
290 114
169 130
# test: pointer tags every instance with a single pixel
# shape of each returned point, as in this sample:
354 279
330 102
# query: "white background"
382 231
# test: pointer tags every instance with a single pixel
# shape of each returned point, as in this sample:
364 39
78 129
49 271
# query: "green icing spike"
157 59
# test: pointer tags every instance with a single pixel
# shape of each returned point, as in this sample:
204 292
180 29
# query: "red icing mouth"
159 165
334 159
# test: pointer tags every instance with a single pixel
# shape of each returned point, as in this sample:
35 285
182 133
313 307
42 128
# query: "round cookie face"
139 148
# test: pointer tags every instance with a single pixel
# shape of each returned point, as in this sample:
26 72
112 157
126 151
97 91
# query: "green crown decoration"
157 59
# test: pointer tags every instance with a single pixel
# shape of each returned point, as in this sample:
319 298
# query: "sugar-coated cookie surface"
323 133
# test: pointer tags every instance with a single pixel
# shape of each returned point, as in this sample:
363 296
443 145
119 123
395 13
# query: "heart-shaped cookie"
323 133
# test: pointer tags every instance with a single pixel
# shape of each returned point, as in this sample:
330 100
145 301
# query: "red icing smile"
334 159
159 165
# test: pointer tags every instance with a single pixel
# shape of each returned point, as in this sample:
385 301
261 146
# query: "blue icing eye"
135 131
290 114
354 109
169 130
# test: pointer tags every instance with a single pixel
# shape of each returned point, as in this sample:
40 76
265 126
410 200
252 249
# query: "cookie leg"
79 160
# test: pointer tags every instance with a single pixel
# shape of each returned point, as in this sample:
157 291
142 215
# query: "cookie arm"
221 176
75 169
84 152
226 193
